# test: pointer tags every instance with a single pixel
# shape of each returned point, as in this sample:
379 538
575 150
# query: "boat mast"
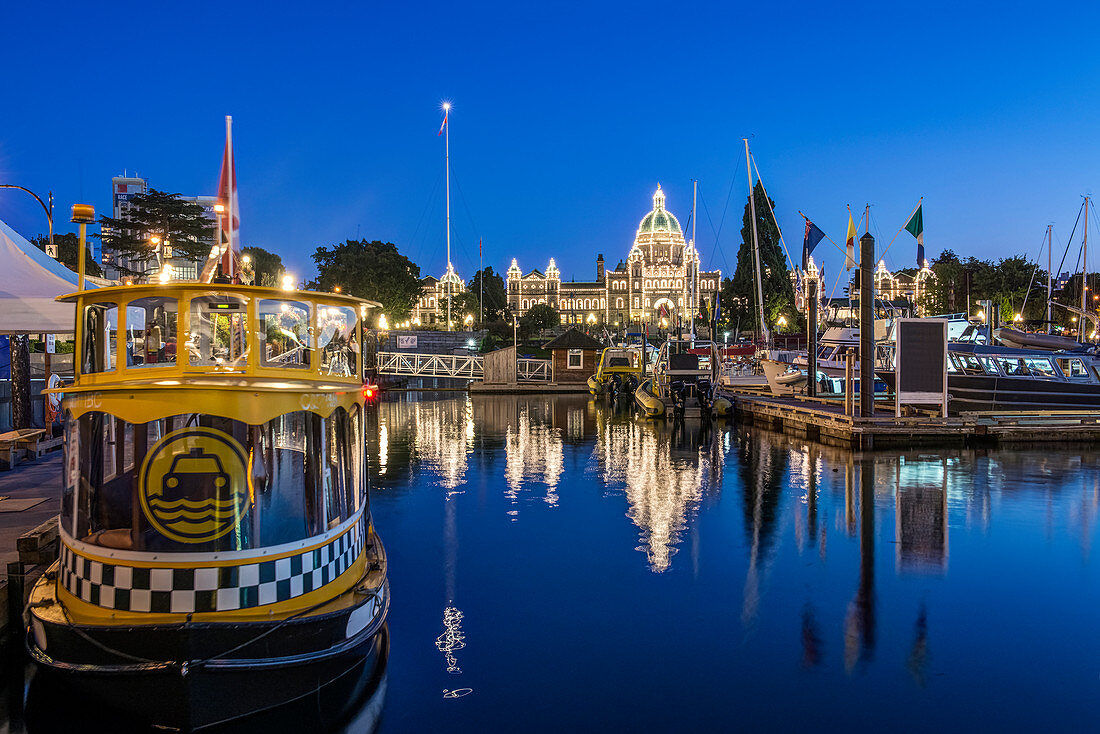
756 249
695 273
1050 289
1084 276
447 167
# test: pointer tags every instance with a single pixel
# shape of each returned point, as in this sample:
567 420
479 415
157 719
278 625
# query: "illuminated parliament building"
653 285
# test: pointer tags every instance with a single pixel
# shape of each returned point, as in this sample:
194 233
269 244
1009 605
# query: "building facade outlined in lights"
652 286
431 307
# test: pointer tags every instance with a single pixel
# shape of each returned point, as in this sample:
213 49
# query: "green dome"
659 220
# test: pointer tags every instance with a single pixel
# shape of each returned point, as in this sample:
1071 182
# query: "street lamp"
782 321
51 250
468 320
288 285
83 215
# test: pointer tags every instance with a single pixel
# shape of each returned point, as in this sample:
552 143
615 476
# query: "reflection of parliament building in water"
663 484
654 283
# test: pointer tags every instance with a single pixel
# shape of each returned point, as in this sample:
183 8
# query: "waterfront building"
653 285
902 286
116 265
431 307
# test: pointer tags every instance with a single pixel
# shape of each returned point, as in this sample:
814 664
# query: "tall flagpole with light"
445 131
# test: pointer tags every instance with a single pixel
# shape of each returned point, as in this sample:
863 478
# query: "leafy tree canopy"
373 270
539 317
495 299
158 214
267 267
68 252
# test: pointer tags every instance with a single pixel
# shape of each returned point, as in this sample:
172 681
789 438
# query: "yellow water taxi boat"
217 553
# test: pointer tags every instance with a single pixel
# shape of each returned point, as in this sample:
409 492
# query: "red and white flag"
227 250
446 111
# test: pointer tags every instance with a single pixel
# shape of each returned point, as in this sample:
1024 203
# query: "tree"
68 252
539 317
267 267
182 224
496 299
776 285
461 304
373 270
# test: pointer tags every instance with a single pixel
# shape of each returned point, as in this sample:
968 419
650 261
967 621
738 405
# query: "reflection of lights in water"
660 490
533 451
452 638
383 448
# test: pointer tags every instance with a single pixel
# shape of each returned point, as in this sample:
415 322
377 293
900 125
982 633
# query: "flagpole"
481 282
695 274
447 167
232 185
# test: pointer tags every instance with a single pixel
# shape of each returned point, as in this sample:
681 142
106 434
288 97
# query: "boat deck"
824 419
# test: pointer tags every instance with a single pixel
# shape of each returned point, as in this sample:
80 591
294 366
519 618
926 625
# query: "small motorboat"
619 372
684 382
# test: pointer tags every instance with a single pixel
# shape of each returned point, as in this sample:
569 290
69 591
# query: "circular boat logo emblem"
193 484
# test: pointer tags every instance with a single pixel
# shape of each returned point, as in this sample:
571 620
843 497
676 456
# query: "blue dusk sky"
566 116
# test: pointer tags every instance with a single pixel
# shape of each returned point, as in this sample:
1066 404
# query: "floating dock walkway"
825 420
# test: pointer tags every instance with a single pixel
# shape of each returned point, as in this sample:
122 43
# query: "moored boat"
217 553
620 371
684 382
990 378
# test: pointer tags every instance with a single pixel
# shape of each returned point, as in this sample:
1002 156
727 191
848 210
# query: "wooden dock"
824 419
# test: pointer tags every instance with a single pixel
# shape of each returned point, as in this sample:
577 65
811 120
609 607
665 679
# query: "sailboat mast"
756 248
1084 276
695 269
1050 283
447 174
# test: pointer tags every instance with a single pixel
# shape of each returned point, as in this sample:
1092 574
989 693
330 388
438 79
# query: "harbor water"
558 564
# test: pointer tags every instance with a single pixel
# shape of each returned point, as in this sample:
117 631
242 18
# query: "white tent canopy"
30 280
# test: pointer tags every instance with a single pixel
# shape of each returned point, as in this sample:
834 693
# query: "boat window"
1026 366
193 483
338 340
1041 367
100 338
951 364
151 332
1073 368
218 337
285 334
989 365
968 364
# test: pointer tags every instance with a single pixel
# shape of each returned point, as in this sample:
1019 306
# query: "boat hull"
990 393
194 675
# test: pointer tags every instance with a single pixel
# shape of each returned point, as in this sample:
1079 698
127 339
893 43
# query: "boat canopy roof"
202 336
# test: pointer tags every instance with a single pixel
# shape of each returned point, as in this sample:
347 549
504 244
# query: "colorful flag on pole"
915 227
446 111
821 293
809 241
850 252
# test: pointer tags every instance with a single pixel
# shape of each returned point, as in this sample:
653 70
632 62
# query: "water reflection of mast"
762 471
859 625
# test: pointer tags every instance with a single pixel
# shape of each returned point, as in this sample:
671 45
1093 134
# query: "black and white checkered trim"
212 589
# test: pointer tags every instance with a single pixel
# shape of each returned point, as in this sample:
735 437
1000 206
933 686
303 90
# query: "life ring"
53 400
